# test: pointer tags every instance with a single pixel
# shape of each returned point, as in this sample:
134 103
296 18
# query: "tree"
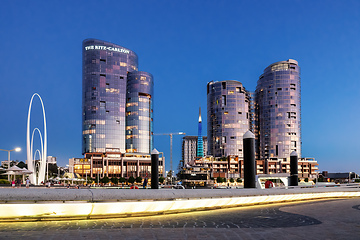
21 164
161 179
89 180
122 180
220 180
138 179
239 180
53 169
232 180
131 180
105 180
306 180
114 180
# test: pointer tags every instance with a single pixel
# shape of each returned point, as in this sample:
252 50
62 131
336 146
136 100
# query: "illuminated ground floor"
115 165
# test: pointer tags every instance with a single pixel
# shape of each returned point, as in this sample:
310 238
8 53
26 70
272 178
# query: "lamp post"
16 150
69 166
349 176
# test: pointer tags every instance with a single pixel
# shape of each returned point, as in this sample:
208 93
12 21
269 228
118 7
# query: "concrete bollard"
293 169
154 169
249 160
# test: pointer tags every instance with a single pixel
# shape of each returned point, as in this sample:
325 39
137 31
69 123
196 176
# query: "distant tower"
200 145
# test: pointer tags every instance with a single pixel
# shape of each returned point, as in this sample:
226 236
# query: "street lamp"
349 176
70 168
16 150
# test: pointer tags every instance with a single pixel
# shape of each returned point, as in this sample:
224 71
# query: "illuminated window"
132 104
102 122
223 100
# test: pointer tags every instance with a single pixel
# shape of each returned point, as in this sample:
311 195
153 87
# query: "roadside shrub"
220 180
4 181
105 180
138 180
131 180
122 179
114 180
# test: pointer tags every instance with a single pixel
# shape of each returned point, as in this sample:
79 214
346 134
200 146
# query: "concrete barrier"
54 204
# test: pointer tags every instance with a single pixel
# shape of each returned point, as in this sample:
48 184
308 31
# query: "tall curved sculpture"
29 147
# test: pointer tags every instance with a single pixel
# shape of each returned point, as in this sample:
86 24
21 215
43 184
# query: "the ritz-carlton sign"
114 49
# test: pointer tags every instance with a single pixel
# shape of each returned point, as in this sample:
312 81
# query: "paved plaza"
327 219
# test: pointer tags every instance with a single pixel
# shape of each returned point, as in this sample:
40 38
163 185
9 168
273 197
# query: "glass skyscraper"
105 67
229 117
139 112
278 110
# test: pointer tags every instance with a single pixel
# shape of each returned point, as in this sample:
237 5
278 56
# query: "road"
328 219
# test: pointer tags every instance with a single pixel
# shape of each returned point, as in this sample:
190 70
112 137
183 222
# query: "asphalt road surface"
328 219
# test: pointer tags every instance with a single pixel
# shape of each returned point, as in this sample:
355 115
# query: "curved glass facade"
139 112
229 117
278 110
105 66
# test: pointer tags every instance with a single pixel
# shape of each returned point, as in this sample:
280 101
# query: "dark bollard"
154 169
249 160
293 169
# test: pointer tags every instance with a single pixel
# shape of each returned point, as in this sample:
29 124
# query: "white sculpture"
29 147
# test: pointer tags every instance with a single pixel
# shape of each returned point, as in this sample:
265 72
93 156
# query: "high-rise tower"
139 112
228 116
278 110
200 145
105 67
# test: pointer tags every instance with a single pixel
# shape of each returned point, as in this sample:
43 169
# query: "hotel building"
105 68
117 111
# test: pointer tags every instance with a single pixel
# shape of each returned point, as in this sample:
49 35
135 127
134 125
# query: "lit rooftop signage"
113 49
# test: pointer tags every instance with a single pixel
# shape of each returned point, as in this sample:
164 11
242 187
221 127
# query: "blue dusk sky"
184 44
